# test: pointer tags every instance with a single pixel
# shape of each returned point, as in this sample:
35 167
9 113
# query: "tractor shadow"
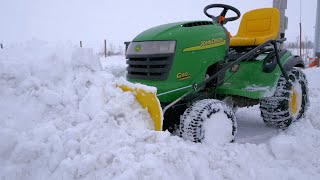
251 128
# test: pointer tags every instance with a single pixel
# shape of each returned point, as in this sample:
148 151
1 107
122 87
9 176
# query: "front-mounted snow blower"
202 73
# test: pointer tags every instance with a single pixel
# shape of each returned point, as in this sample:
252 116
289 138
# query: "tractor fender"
293 61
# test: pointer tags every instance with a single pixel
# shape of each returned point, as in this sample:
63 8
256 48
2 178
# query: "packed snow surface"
62 117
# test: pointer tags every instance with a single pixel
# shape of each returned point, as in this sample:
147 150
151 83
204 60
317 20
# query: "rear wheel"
289 103
209 121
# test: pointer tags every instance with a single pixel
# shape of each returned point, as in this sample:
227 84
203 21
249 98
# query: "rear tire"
209 121
289 103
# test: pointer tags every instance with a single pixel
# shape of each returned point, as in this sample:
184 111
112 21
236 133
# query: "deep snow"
62 117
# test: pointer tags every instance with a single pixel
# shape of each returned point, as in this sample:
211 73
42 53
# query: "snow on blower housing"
201 73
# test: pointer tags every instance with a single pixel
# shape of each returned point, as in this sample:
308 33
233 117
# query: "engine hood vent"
197 23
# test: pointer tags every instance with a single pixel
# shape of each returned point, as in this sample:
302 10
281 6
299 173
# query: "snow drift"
62 117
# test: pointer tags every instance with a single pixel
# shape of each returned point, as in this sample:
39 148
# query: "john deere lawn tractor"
202 73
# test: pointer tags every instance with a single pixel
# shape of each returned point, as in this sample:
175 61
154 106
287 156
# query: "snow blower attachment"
149 101
202 73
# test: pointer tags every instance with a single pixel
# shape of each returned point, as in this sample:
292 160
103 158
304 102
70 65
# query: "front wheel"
209 121
289 103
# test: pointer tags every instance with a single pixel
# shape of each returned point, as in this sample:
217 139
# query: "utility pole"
317 34
105 48
282 6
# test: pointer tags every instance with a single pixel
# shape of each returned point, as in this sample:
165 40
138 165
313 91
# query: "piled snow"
115 65
63 118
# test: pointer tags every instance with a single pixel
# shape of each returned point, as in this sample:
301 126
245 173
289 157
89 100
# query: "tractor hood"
169 31
175 55
160 32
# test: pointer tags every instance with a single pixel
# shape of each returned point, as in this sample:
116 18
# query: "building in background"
282 6
317 33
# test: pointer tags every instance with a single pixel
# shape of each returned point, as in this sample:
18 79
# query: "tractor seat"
257 27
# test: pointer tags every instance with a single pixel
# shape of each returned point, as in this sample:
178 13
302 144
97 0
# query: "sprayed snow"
254 88
122 81
63 118
268 91
116 65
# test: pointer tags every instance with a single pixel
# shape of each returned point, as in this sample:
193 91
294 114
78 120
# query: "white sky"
120 20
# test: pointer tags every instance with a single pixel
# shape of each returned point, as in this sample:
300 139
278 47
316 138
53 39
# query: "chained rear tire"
209 121
289 103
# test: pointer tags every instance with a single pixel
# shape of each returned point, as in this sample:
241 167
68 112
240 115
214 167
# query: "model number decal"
211 43
183 76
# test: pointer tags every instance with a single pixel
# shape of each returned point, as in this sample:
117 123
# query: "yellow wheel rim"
293 101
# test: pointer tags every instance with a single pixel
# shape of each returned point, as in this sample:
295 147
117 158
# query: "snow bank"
115 65
63 118
59 112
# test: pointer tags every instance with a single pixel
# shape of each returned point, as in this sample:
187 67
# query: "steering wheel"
221 19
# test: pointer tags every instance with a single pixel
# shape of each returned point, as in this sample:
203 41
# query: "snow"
218 129
254 88
268 91
117 67
62 117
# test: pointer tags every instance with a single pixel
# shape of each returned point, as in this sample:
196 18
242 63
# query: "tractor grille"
149 67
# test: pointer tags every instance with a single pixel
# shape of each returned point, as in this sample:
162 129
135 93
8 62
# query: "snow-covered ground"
62 117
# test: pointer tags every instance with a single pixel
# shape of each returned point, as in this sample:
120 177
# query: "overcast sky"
121 20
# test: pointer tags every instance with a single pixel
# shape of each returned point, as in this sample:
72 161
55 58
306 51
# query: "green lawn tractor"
202 74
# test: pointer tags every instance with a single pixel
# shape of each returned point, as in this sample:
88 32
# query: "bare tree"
111 50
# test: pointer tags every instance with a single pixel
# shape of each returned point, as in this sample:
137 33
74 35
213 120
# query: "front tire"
289 103
209 121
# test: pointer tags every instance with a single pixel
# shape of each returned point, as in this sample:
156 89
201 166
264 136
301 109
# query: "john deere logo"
137 48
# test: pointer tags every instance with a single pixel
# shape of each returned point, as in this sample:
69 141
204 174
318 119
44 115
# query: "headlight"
151 47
